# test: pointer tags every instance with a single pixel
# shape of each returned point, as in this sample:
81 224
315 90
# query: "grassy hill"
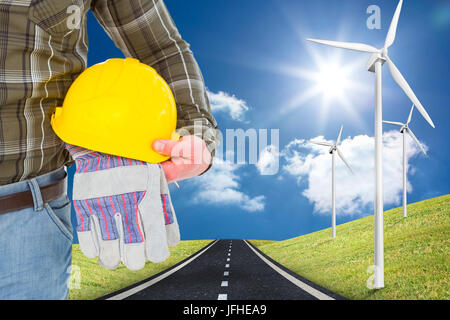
96 281
417 261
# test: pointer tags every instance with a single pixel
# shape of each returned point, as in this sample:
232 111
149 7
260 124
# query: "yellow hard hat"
118 107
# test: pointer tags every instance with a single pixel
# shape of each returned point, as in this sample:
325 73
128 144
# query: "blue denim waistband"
41 181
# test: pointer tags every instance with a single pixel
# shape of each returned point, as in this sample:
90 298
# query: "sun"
331 81
327 82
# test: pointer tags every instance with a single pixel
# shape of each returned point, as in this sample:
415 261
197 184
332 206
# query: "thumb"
170 170
164 146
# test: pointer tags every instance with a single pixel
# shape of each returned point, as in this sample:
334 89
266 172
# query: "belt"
23 200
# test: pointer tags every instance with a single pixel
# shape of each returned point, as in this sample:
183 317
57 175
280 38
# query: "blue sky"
256 54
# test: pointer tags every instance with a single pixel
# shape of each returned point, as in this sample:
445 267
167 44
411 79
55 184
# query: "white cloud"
223 102
220 185
311 164
268 162
253 204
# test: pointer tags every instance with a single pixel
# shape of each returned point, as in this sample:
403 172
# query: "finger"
172 229
170 170
173 232
164 146
104 225
88 243
193 148
86 239
185 171
126 204
151 213
109 252
177 169
82 216
132 254
132 235
165 200
131 238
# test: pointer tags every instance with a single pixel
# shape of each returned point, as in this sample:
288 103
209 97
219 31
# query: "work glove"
123 209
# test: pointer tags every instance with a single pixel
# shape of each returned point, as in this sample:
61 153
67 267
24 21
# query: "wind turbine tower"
405 128
333 150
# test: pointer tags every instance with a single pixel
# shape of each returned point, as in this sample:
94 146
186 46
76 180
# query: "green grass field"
96 281
417 262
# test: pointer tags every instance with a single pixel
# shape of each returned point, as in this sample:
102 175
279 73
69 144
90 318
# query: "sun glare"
331 81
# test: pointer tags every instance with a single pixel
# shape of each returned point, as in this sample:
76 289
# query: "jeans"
36 243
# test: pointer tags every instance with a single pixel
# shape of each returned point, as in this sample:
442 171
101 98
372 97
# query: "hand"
189 157
123 209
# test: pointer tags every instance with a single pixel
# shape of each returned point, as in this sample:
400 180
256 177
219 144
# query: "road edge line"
312 291
161 276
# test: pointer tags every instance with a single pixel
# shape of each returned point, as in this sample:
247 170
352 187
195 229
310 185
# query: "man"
43 48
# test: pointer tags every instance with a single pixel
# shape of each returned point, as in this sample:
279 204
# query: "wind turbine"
378 58
333 150
405 128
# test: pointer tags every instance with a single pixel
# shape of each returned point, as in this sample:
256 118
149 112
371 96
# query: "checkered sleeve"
144 29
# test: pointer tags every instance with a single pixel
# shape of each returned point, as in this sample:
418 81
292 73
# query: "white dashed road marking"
223 296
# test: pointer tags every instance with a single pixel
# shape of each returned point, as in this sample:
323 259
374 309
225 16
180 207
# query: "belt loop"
36 192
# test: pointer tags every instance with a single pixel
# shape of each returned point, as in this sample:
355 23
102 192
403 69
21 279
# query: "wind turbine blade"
416 140
343 159
390 37
339 136
407 89
394 122
347 45
410 114
320 143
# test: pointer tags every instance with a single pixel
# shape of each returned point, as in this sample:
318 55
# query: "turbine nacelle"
404 127
334 148
373 59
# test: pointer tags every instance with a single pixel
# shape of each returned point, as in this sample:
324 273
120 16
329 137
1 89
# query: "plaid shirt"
42 53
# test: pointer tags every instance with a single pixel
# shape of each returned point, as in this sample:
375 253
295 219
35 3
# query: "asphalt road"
228 269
